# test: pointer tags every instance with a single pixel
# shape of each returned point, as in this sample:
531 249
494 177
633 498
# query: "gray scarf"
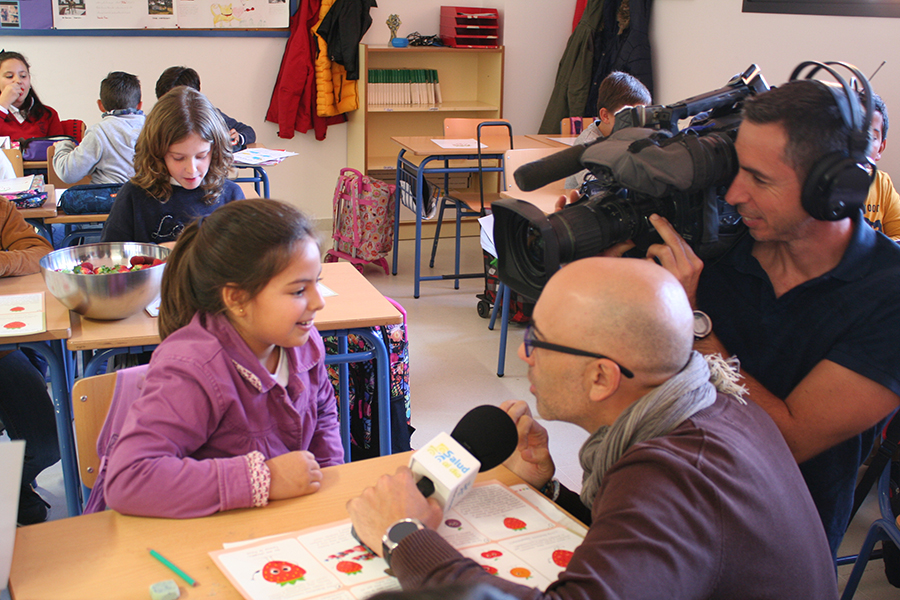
655 414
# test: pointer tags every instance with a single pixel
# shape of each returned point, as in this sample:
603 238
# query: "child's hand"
235 137
11 94
293 474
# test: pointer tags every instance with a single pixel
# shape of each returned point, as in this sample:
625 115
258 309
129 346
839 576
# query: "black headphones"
838 183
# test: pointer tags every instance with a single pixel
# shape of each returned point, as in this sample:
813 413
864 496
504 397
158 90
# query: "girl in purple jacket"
236 408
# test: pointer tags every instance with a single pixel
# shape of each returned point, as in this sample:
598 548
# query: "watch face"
702 324
401 530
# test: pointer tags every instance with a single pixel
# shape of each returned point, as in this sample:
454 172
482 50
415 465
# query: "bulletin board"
163 16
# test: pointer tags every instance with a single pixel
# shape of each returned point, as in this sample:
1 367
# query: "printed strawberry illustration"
14 325
514 523
562 557
453 523
17 309
348 567
489 569
282 573
491 554
520 572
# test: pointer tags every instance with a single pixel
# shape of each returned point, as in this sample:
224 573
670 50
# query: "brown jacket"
21 246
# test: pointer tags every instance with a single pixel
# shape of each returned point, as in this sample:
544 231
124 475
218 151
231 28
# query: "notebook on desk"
12 454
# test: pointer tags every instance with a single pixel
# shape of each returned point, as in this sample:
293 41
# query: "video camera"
645 166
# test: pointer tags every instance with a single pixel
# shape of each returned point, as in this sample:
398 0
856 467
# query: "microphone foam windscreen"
488 433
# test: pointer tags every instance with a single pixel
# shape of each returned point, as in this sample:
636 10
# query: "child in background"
25 407
237 408
107 151
181 160
240 134
22 114
617 91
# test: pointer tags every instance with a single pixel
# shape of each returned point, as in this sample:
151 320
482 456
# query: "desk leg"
383 381
420 183
344 393
63 408
398 196
379 354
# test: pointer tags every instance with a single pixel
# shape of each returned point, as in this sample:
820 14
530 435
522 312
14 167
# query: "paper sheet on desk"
494 525
487 234
12 455
22 314
259 156
17 185
461 143
568 141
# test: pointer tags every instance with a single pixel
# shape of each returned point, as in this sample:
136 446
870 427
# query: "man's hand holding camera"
676 256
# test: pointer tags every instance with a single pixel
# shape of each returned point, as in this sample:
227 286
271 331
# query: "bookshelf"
471 82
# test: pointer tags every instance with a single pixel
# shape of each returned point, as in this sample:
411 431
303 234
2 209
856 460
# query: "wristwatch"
702 325
395 535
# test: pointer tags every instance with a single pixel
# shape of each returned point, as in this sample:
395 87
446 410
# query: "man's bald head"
634 311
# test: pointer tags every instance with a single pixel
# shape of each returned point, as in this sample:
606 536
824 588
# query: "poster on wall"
170 14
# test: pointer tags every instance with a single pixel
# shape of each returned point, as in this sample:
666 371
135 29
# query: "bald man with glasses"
688 491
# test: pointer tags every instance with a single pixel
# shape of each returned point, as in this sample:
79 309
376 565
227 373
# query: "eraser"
165 590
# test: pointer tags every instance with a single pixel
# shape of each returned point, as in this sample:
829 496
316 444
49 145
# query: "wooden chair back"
91 399
53 177
468 128
544 198
574 125
15 157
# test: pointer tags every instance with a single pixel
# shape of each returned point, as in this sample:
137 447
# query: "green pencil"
171 566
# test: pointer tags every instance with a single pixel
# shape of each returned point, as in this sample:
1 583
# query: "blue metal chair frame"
884 528
413 175
260 179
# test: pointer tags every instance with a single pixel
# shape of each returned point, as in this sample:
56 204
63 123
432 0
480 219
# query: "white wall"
238 74
699 44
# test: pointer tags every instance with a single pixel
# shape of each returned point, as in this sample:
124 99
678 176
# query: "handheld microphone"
448 464
537 174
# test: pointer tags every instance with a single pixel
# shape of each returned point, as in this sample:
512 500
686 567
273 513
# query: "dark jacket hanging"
613 35
342 29
622 44
573 76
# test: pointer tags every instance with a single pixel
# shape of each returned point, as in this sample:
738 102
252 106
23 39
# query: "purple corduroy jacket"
206 403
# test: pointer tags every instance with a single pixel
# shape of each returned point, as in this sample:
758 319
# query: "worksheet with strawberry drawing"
22 314
493 525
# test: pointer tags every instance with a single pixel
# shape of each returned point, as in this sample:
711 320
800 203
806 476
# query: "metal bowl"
109 296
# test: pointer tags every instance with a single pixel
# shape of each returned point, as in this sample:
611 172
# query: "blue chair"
886 527
464 202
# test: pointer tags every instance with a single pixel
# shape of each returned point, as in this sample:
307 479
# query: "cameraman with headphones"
807 301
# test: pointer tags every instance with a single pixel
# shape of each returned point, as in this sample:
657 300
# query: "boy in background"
107 151
618 90
882 207
241 134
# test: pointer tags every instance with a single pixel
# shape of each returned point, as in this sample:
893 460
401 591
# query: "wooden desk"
59 328
553 139
104 555
357 307
412 175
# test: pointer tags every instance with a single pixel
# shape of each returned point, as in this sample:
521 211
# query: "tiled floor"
453 361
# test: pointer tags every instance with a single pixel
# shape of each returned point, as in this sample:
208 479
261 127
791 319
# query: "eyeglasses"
531 342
